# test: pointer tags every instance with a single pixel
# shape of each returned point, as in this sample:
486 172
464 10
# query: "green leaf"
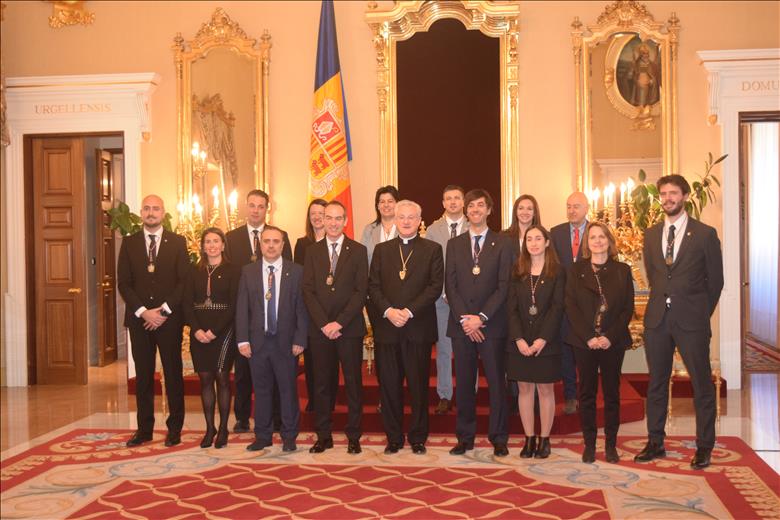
719 159
642 175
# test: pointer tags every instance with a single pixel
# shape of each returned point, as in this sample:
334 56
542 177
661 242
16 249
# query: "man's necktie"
453 229
256 244
670 246
152 249
476 246
271 301
334 258
575 244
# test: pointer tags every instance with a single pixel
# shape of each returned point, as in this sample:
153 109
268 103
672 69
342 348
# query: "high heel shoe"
542 448
529 448
222 438
208 438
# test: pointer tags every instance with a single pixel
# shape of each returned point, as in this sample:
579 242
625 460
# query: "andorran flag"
331 150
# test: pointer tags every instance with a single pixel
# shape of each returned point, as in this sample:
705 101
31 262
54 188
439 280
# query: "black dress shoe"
611 454
172 439
702 458
258 445
500 450
353 447
208 438
652 450
289 445
542 448
321 445
461 448
393 447
138 438
529 448
241 427
589 454
418 448
222 438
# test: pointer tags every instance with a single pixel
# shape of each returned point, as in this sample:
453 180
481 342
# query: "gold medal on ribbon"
150 268
329 280
532 310
475 270
268 296
402 274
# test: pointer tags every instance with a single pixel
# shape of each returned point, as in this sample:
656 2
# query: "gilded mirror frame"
220 32
404 20
624 16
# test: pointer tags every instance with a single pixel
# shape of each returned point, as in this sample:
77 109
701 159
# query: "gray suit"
440 233
272 358
683 296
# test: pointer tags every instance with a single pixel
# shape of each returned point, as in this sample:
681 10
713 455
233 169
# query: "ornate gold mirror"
495 20
222 109
626 95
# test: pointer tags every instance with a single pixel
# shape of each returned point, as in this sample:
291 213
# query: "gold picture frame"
617 25
222 36
404 20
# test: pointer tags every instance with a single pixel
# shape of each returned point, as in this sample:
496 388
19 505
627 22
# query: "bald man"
151 271
566 239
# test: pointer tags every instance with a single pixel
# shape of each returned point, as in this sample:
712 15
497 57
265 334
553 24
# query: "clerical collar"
406 241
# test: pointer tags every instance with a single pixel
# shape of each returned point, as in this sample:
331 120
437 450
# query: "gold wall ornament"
70 12
619 25
221 42
406 18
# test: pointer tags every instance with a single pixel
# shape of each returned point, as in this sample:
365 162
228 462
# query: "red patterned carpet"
89 474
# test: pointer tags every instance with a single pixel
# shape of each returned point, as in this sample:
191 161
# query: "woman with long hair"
535 306
599 303
525 213
382 228
209 304
315 229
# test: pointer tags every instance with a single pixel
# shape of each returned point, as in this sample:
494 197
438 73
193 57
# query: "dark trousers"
327 355
272 364
694 347
145 344
589 363
309 372
568 372
242 404
394 362
492 353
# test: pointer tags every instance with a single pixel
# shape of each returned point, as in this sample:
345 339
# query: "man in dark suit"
479 264
335 282
151 272
566 239
243 247
404 283
271 323
684 267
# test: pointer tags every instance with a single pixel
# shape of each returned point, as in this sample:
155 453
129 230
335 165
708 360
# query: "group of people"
533 306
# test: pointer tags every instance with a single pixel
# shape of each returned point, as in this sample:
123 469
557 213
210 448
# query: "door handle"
74 290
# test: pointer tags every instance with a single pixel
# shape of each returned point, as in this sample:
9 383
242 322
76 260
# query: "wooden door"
60 264
106 267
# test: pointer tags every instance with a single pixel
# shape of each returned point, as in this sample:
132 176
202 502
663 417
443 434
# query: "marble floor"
32 415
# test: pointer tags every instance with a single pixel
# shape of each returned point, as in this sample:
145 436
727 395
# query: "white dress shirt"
679 232
460 224
277 284
148 241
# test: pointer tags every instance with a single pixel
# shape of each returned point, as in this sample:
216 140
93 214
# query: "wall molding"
63 104
743 80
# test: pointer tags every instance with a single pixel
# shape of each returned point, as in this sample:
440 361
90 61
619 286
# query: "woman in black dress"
535 306
599 305
209 307
315 231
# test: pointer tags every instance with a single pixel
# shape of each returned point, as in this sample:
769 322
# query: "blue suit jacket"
250 308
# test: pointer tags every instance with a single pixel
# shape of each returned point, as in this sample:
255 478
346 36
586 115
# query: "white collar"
679 224
407 240
277 264
339 241
451 222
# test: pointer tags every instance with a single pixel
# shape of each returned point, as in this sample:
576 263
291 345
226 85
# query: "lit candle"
233 201
630 188
596 197
609 195
622 192
195 149
215 193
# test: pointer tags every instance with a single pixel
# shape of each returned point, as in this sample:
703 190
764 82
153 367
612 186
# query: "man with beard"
684 268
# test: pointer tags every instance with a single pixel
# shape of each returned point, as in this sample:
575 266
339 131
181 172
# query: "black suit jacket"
239 247
560 236
582 301
299 253
484 293
342 301
549 304
292 320
693 282
139 287
418 292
